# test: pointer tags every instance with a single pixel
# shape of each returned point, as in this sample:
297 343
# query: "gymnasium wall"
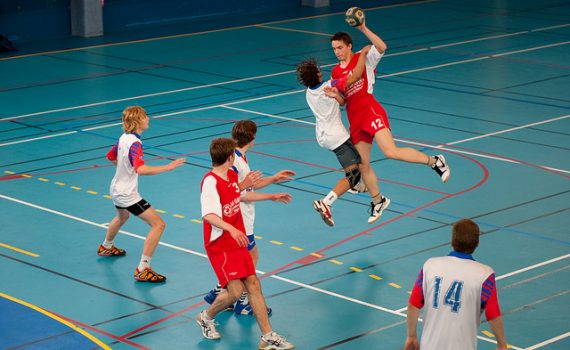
32 20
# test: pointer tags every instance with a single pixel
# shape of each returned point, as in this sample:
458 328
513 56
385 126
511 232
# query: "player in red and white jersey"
226 245
368 119
454 291
324 100
244 133
127 155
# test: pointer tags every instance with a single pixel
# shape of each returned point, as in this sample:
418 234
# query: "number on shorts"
377 124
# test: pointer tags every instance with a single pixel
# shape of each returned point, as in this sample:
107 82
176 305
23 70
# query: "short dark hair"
342 36
221 149
465 236
244 132
308 72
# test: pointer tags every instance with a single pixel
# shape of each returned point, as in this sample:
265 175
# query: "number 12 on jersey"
452 296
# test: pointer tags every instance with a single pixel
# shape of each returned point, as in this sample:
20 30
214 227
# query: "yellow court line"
91 192
107 196
196 221
336 262
378 278
9 172
257 237
489 334
59 183
76 188
59 319
178 216
296 248
276 242
27 176
42 179
355 269
317 255
160 211
395 285
19 250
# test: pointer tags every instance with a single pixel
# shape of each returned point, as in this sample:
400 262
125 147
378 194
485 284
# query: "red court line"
81 324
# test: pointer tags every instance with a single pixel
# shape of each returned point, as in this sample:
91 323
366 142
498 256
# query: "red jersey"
221 197
365 115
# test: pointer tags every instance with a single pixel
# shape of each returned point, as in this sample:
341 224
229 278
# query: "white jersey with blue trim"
452 289
124 188
241 167
330 130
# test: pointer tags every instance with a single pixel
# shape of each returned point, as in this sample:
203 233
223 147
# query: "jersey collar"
461 255
238 153
316 86
137 135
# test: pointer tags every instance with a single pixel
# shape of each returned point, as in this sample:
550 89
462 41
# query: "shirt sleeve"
136 155
489 299
112 154
209 198
417 297
373 57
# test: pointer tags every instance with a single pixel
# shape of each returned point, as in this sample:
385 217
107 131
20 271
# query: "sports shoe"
245 309
377 209
360 187
209 330
274 341
149 275
113 251
441 167
211 296
325 212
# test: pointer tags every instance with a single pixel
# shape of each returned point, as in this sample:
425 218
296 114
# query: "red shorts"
232 265
365 123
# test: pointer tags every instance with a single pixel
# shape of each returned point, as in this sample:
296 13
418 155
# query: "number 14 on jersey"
452 295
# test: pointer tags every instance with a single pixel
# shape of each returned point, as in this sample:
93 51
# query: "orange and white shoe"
113 251
149 275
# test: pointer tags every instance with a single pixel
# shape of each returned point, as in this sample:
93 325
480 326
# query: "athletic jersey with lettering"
241 167
128 152
359 97
330 130
221 197
454 290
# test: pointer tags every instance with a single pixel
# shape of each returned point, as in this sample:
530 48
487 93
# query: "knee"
364 167
391 153
253 284
160 224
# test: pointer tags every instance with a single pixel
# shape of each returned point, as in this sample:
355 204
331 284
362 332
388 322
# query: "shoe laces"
275 339
372 208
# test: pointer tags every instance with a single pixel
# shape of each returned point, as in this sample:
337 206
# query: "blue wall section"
35 20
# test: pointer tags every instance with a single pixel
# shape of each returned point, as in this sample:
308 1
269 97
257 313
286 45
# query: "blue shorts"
251 244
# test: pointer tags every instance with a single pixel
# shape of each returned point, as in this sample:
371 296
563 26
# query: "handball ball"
354 16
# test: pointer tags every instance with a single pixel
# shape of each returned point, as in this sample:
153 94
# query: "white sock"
205 316
145 262
330 198
108 244
243 298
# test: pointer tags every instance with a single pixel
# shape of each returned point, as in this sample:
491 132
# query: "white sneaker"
209 330
325 212
441 167
274 341
360 187
377 209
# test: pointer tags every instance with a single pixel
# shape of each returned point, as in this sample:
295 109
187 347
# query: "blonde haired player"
127 155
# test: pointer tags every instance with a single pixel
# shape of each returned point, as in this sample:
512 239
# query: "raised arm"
360 67
375 39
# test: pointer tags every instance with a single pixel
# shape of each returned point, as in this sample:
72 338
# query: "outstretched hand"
283 175
250 179
282 198
176 163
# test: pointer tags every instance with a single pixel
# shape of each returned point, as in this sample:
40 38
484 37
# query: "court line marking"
205 32
549 341
324 291
58 319
293 71
19 250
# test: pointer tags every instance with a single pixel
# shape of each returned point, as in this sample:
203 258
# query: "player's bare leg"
379 203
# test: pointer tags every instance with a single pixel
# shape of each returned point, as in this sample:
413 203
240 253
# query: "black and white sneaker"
274 341
377 209
209 330
325 211
441 167
360 187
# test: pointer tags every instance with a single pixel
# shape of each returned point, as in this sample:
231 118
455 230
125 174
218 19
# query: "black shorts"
347 154
138 208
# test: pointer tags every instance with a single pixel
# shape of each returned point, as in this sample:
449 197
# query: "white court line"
268 115
285 72
549 341
316 289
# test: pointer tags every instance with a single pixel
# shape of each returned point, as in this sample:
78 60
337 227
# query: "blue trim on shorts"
251 244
